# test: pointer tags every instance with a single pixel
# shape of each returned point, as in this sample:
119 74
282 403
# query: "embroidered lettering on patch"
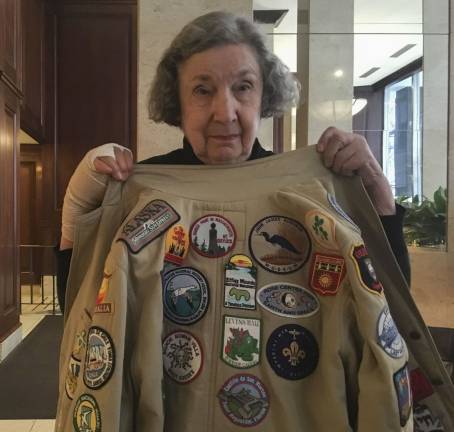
425 421
177 245
152 221
288 300
241 341
388 336
403 393
240 283
366 272
86 415
244 400
182 356
99 359
280 244
327 273
104 308
322 227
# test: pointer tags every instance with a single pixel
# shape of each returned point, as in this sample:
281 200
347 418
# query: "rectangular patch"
104 308
152 221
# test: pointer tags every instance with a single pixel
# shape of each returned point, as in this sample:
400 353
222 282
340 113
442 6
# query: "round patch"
99 359
322 228
389 337
86 415
185 295
292 352
244 400
212 236
280 244
288 300
182 356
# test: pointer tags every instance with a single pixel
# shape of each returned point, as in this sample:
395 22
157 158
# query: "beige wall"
159 22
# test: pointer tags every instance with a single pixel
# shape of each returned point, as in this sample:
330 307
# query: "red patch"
327 273
420 385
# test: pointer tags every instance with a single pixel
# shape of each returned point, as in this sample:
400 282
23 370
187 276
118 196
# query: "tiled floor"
27 425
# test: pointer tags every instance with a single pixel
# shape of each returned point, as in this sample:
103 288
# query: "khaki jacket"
273 318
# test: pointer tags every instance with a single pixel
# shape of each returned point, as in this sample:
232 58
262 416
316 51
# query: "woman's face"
220 97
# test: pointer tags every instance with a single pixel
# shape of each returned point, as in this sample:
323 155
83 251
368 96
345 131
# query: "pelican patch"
280 244
182 356
177 245
99 359
72 376
365 269
335 205
244 400
288 300
240 283
327 273
322 228
292 352
185 295
212 236
403 393
425 421
86 415
388 336
241 342
152 221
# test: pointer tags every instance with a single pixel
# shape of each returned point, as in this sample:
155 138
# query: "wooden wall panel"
10 53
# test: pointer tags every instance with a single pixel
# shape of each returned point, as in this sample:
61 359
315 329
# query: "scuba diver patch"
86 415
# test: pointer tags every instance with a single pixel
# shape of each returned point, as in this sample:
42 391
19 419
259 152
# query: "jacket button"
415 335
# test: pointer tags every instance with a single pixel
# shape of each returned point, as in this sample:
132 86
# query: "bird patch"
177 245
240 283
212 236
327 273
322 228
87 415
152 221
365 269
280 244
388 336
403 393
185 295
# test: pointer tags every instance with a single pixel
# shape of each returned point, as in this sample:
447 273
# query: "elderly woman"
215 82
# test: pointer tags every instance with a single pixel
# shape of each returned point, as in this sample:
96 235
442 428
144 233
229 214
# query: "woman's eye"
201 91
246 86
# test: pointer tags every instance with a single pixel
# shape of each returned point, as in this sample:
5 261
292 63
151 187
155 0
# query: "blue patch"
185 295
288 300
403 393
292 352
335 205
388 336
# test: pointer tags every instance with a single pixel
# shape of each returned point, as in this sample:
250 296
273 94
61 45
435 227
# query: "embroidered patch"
403 393
152 221
240 283
182 356
103 288
335 205
241 342
86 415
185 295
80 342
212 236
280 244
425 421
99 359
72 376
177 245
327 273
365 269
388 336
288 300
292 352
322 227
421 388
105 308
244 400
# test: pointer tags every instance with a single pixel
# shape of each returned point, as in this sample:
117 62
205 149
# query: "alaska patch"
425 421
327 273
292 352
388 337
99 359
244 400
280 244
322 228
86 415
241 341
288 300
177 244
421 388
240 283
72 376
185 295
365 269
335 205
152 221
212 236
403 393
182 356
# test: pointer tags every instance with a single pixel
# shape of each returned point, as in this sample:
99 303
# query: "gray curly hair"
280 87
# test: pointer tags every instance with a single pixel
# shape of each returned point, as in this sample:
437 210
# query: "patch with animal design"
177 244
185 295
327 273
365 269
322 228
87 415
280 244
240 283
241 341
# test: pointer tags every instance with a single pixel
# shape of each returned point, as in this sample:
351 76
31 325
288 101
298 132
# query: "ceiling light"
339 73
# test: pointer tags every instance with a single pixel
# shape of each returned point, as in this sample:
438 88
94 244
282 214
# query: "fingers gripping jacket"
86 188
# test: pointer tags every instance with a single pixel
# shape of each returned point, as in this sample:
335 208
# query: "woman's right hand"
118 165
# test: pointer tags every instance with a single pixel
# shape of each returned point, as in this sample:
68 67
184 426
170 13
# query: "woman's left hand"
348 154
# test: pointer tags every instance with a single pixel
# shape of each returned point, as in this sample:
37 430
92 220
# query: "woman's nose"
224 107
